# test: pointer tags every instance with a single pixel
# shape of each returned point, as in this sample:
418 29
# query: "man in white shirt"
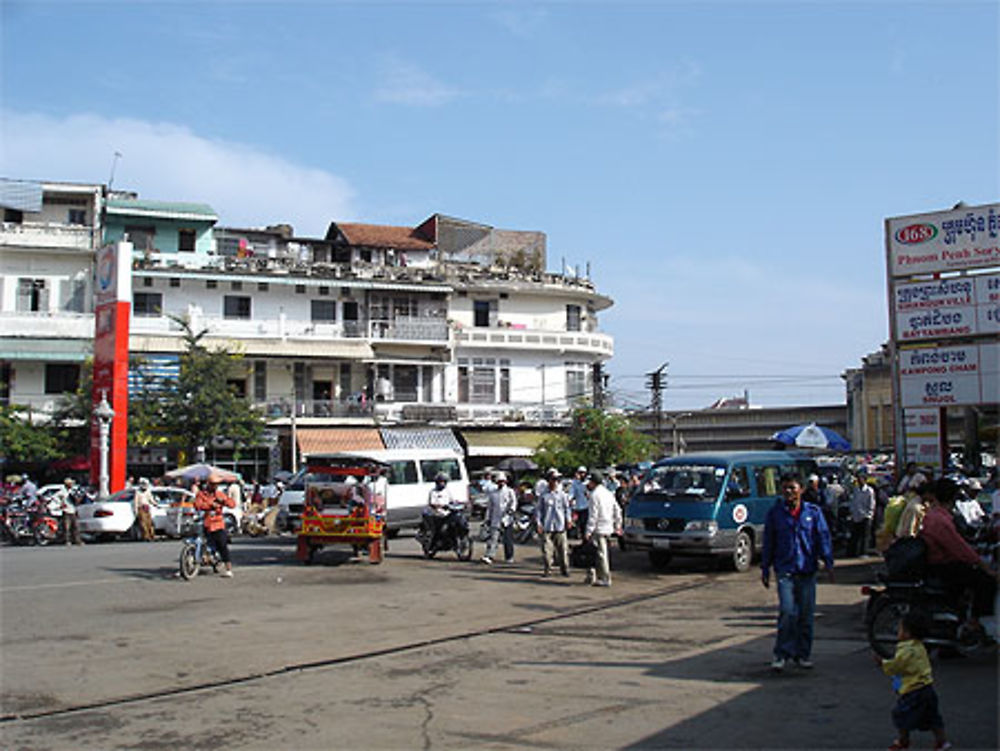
499 515
552 517
862 514
65 499
605 519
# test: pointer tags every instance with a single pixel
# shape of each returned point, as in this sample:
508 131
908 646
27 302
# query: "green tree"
199 406
596 439
21 441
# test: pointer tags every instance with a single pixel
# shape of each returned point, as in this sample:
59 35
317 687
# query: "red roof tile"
328 440
384 236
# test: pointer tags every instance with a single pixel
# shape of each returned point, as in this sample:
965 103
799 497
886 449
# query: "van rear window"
402 473
430 468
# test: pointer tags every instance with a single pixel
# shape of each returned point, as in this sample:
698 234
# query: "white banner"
923 437
940 376
947 308
965 238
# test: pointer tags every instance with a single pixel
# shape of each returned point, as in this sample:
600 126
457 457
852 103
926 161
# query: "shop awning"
431 438
48 350
503 443
331 440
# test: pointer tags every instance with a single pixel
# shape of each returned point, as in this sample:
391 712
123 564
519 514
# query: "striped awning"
332 440
504 443
424 438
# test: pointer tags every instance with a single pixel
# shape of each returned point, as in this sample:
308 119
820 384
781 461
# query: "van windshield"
692 482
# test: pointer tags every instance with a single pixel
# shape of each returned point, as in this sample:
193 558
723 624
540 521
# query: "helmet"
440 477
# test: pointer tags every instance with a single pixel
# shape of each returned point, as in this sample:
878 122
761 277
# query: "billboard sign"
964 238
944 376
960 306
923 437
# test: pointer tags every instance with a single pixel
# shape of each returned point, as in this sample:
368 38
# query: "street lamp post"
104 415
674 419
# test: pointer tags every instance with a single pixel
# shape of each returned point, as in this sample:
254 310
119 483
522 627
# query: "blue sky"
724 167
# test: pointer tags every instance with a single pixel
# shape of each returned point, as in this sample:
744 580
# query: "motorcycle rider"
499 515
950 556
211 501
438 509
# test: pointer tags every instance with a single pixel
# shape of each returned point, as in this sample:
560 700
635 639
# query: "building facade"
446 323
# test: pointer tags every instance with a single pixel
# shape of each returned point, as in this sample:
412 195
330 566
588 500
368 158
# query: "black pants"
860 532
220 541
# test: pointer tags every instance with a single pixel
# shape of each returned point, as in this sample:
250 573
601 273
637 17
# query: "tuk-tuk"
344 504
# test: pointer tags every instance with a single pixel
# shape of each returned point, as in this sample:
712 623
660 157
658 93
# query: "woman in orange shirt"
211 501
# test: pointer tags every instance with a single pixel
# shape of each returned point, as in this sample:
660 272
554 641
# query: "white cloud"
245 186
521 22
403 82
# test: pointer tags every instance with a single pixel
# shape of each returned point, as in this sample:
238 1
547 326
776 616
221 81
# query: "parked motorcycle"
453 534
15 523
45 527
197 550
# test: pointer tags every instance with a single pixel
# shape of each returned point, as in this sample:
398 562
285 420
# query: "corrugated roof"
328 440
164 208
383 236
424 438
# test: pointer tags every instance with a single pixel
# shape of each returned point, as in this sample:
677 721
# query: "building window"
463 384
324 311
345 380
13 216
260 380
211 284
427 384
143 239
147 281
505 381
238 386
484 313
61 378
576 380
324 290
186 240
147 304
175 281
236 306
572 317
263 286
76 216
300 289
32 296
236 286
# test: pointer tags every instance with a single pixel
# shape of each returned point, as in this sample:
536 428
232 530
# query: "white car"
115 517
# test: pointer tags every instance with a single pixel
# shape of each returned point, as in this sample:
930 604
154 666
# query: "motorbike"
452 534
16 523
45 527
950 615
524 523
252 523
197 550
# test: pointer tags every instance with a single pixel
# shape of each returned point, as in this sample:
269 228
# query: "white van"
411 478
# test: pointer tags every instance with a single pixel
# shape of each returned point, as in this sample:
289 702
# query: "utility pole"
655 382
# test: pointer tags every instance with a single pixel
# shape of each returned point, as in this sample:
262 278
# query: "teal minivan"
709 504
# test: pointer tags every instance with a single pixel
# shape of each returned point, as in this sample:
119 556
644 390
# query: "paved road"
104 648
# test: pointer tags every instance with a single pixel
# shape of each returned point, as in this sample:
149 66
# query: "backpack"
906 559
583 555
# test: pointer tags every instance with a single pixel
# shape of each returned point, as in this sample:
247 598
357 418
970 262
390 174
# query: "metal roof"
423 438
161 209
332 440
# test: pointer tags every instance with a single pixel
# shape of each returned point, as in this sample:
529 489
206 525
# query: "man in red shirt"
949 555
211 501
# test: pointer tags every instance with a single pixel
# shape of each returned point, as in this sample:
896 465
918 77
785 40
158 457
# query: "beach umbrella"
202 472
812 436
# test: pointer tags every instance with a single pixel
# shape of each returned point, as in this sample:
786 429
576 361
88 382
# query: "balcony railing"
39 235
275 409
535 339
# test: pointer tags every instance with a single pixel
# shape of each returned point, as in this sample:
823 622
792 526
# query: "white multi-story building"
449 322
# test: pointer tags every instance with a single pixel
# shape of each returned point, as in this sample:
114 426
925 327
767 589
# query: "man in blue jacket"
796 538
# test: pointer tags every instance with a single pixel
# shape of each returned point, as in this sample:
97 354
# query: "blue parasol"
812 436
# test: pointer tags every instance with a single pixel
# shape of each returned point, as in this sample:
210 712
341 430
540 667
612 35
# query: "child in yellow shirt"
917 705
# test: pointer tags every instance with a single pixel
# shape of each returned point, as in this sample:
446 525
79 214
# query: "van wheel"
743 552
659 559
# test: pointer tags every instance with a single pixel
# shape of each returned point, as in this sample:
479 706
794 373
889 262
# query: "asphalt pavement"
105 647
